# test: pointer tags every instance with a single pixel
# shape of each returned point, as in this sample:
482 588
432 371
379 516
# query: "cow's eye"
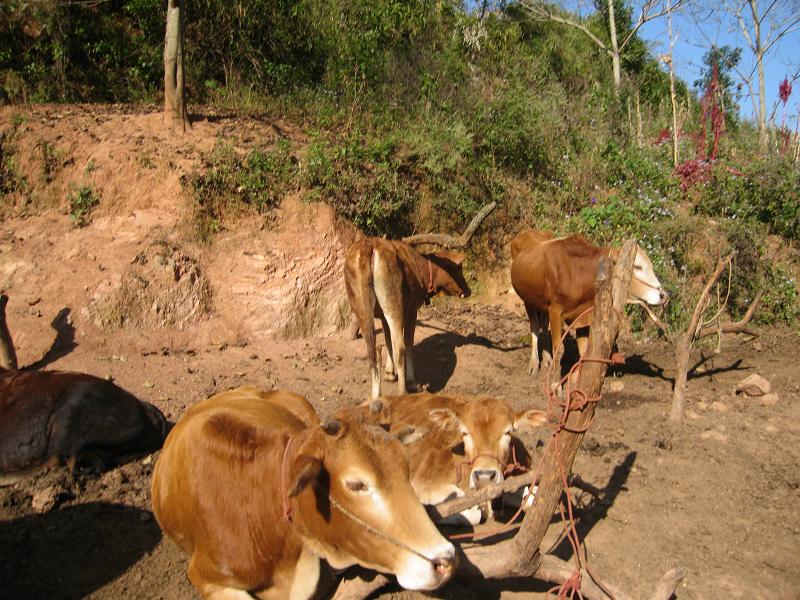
357 486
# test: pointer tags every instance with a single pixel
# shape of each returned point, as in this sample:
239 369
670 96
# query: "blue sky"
694 40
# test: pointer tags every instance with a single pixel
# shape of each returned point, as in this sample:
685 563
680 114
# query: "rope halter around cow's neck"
287 509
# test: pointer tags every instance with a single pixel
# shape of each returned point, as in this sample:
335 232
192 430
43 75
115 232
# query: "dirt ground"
716 495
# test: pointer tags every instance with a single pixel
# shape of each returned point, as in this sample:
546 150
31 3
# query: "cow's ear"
528 419
444 418
410 434
451 255
306 469
457 257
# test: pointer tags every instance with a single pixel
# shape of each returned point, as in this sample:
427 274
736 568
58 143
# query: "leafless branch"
739 326
448 241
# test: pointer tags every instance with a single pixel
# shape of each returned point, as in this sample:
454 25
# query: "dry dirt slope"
717 495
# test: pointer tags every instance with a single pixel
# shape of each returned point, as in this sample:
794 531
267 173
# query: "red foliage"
785 90
693 172
713 117
662 136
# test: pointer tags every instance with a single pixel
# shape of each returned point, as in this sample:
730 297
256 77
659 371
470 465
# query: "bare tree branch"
739 326
448 241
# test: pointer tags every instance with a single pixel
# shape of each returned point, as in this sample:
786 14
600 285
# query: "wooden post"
8 357
611 292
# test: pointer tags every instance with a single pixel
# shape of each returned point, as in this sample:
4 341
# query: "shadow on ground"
63 344
71 552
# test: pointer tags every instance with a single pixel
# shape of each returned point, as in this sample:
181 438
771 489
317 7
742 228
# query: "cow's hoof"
390 376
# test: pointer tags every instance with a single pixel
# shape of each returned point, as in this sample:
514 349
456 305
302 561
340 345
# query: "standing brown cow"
390 280
555 277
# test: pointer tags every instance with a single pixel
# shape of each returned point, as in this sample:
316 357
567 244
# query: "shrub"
82 201
230 181
767 191
370 185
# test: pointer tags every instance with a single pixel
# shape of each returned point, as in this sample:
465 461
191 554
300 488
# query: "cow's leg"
534 318
554 314
547 341
410 327
394 326
389 373
212 591
583 343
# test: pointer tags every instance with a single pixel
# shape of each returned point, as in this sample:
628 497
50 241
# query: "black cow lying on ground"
50 418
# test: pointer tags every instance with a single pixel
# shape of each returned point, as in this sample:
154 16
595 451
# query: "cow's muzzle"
483 477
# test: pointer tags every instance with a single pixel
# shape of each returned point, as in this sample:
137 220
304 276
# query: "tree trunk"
682 351
174 77
758 52
672 96
609 309
8 357
615 53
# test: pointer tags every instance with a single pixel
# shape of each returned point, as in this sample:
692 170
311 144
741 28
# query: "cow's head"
352 503
645 286
449 278
486 425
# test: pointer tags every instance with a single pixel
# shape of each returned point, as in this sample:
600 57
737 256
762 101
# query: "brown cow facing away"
555 277
258 497
390 280
50 418
457 443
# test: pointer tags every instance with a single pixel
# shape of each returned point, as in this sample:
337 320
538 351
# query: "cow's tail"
360 282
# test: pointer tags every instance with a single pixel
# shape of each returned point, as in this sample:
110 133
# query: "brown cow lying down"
49 418
555 277
390 280
456 443
257 496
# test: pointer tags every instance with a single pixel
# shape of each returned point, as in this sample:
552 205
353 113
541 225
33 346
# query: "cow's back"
558 271
24 420
202 482
54 415
527 240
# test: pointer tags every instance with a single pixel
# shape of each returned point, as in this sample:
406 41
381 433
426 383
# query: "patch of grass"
82 201
52 161
11 179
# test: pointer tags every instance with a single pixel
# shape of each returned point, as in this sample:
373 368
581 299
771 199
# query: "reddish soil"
264 306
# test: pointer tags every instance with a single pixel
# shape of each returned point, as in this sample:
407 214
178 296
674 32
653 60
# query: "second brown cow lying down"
258 493
390 280
457 443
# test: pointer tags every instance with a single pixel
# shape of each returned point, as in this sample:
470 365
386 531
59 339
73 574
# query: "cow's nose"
445 565
484 477
663 295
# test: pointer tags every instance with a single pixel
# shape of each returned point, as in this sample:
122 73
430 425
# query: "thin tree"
763 27
615 46
668 59
706 320
175 111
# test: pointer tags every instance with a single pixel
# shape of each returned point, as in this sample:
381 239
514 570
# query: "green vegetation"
229 181
418 113
82 200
